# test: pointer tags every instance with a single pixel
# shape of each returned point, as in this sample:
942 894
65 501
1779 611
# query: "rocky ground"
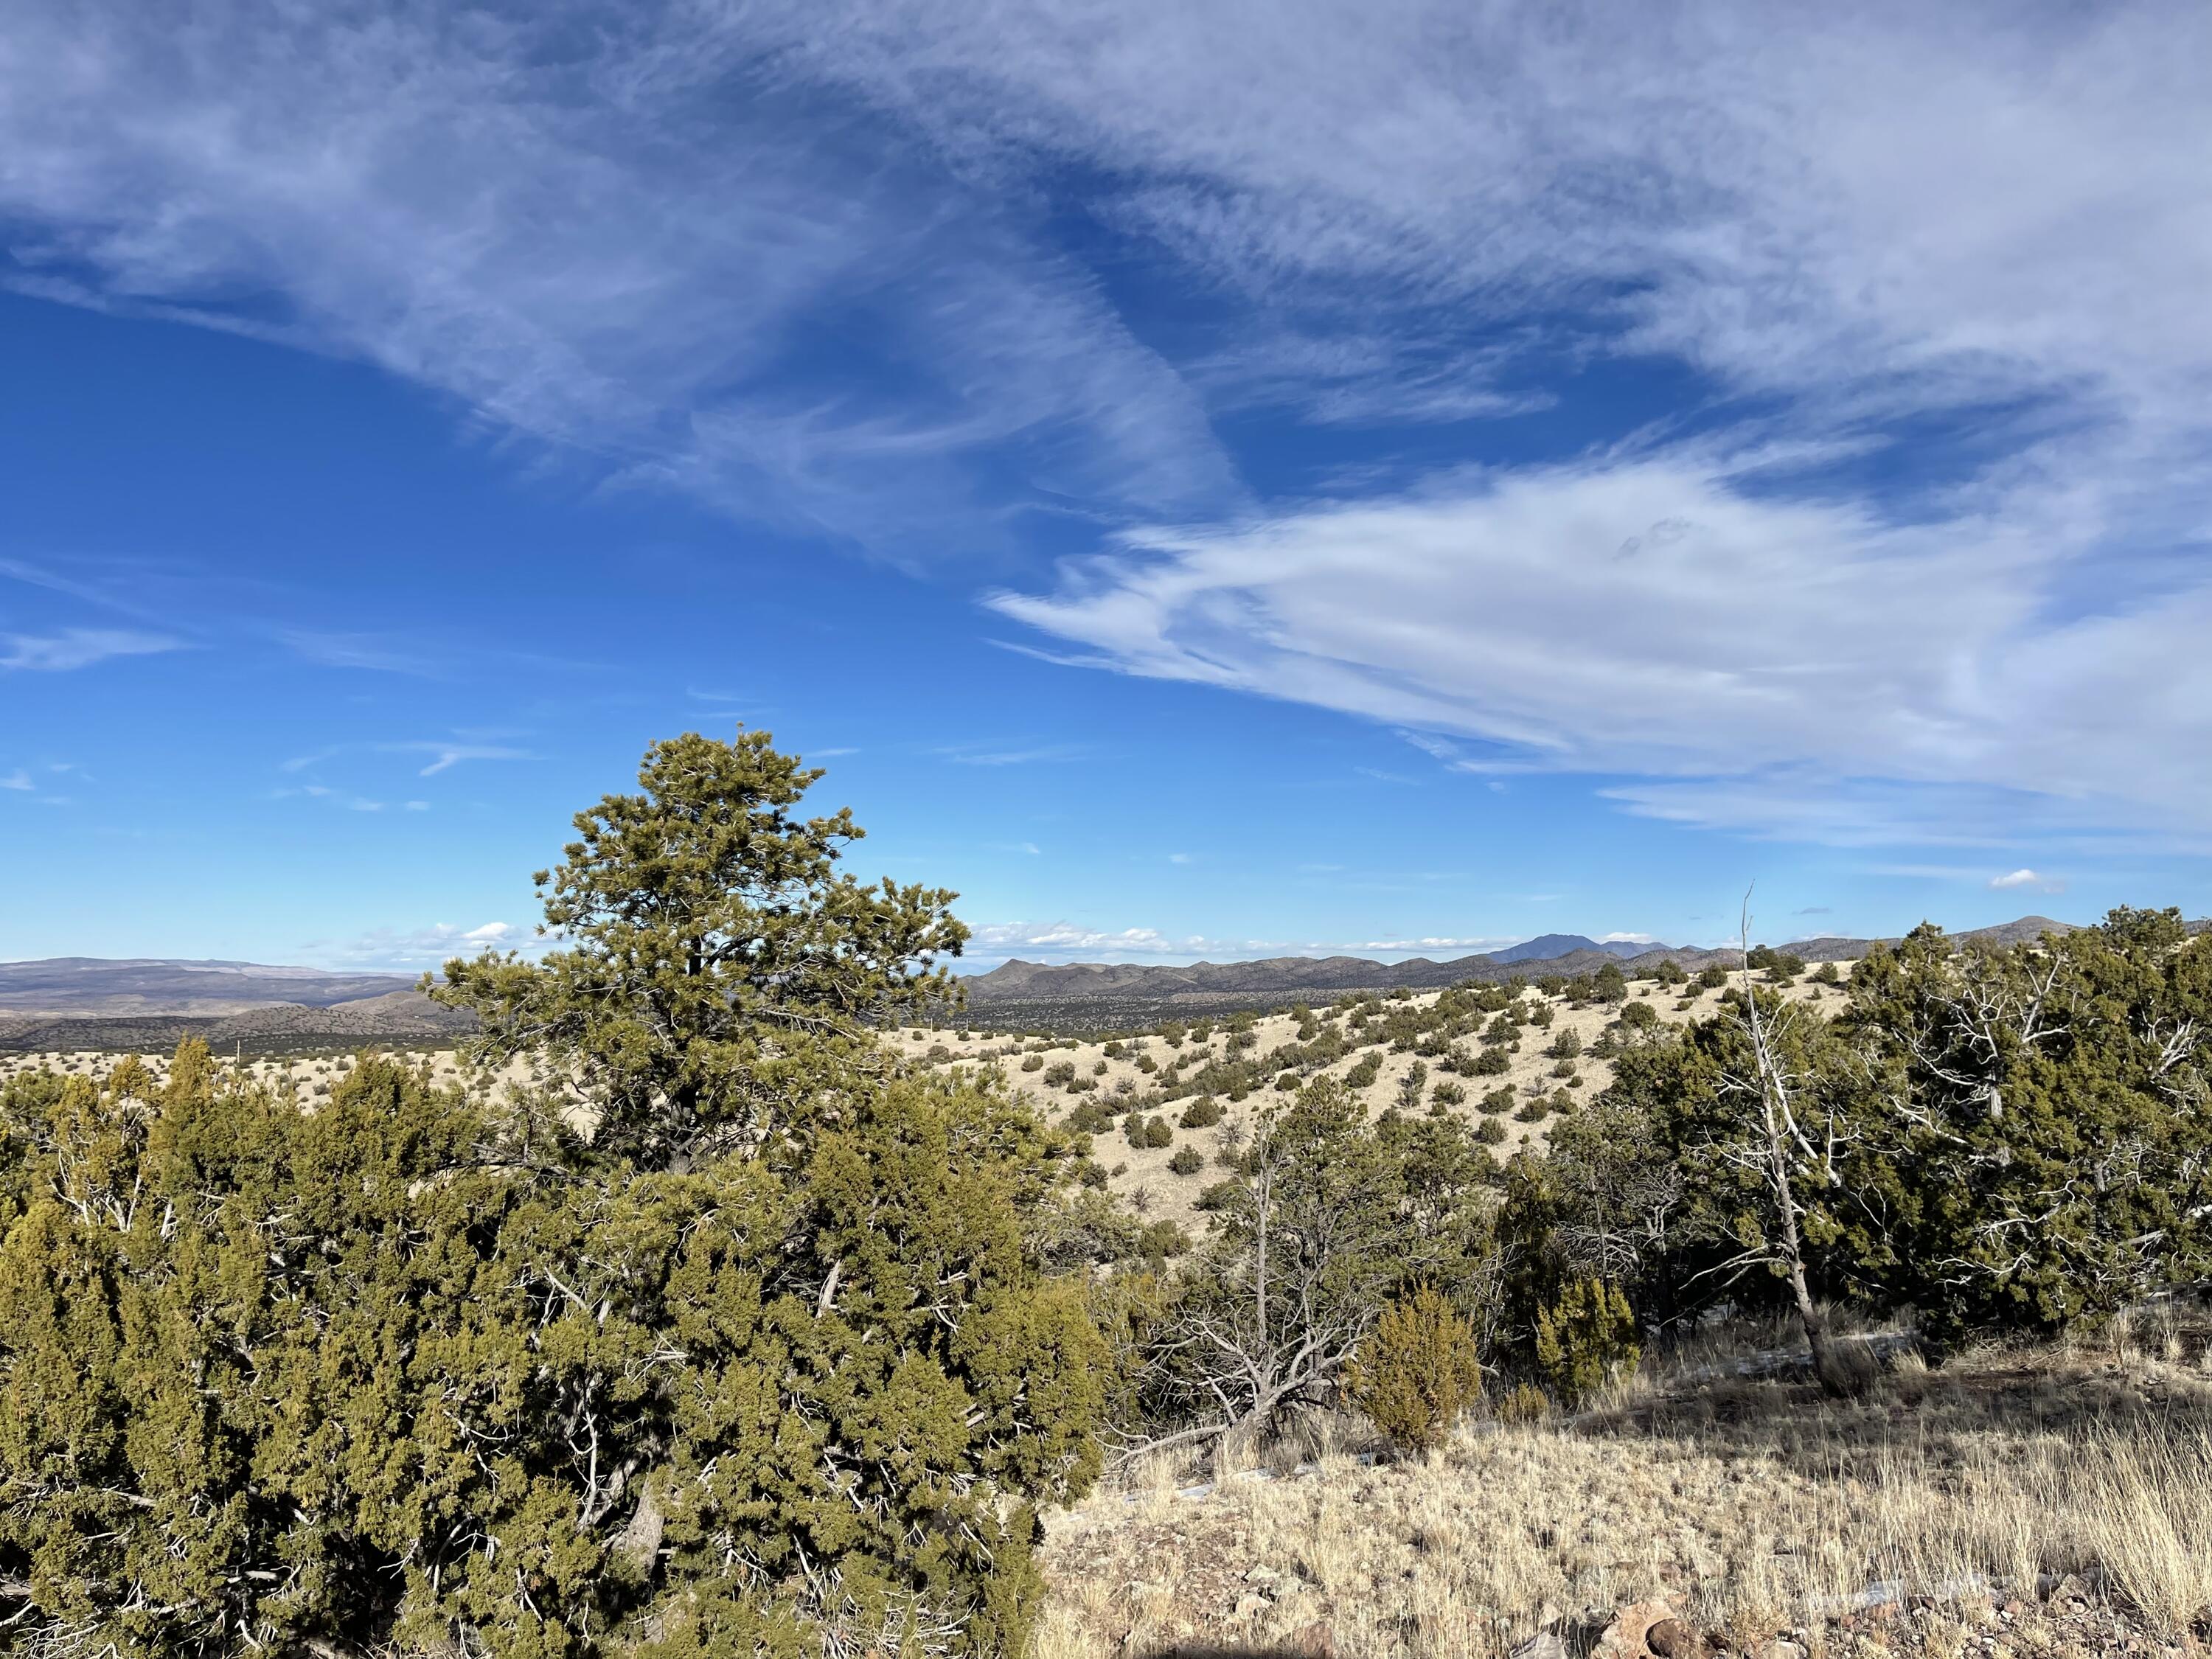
2015 1506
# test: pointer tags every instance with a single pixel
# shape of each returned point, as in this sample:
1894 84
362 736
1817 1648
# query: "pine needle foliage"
1418 1371
1586 1340
735 1337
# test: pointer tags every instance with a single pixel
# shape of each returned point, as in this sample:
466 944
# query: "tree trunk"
1835 1373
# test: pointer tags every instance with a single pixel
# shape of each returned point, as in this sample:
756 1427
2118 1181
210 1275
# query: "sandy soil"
1119 1080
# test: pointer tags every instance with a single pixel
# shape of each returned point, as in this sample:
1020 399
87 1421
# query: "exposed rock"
1670 1638
1627 1635
1314 1641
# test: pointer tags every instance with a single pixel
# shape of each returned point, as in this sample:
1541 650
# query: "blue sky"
1210 480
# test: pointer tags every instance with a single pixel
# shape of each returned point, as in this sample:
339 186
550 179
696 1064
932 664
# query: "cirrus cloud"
79 647
1800 665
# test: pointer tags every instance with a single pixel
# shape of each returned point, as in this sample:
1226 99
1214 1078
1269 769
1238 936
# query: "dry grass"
1170 1196
1754 1507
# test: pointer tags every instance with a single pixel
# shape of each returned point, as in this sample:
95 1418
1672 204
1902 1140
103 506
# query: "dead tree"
1789 1150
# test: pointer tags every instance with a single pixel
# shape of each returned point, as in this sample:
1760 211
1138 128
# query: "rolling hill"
70 1003
1099 995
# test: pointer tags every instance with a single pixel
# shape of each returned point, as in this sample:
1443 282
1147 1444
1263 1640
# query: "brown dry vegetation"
1122 1082
1942 1514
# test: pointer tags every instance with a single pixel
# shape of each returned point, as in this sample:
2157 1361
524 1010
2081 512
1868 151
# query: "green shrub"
1410 1086
1586 1340
1218 1195
1493 1062
1448 1094
1092 1117
1163 1238
1417 1372
1188 1160
1489 1131
1525 1404
1203 1113
1566 1045
1033 1063
1498 1100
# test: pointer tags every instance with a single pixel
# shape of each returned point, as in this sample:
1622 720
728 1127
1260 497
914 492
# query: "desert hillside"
1417 1053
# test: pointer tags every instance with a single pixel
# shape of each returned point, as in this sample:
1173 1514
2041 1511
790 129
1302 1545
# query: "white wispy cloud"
328 796
376 653
79 647
606 228
1798 666
413 948
1016 754
18 779
2029 880
1991 222
1967 201
1062 942
445 755
993 940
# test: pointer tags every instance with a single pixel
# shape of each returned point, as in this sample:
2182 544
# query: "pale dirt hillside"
1117 1079
312 1074
2027 1503
1116 1076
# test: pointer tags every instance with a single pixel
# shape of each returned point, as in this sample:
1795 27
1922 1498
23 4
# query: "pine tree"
716 975
1417 1371
734 1337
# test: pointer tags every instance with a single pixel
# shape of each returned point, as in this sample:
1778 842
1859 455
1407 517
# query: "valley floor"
2015 1504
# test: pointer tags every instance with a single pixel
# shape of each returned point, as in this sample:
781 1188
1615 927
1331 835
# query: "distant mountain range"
150 1003
1115 994
149 985
1546 946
